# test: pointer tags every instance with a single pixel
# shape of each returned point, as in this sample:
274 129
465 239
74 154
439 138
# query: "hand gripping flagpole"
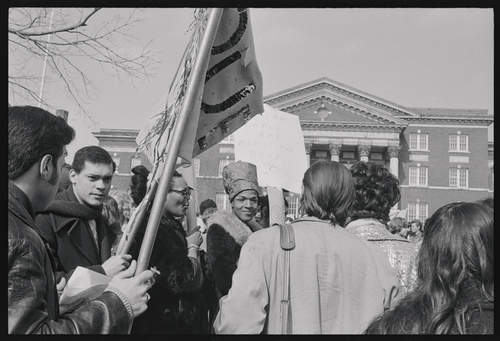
192 100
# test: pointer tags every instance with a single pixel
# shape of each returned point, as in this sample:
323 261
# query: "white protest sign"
274 143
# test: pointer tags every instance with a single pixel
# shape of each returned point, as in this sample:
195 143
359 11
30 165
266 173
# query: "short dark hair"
92 154
418 222
139 183
206 204
396 224
328 192
377 190
34 133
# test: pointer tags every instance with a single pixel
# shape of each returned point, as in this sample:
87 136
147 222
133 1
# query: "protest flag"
155 133
190 100
232 90
226 97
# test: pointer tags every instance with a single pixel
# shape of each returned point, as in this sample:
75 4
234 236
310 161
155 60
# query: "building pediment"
331 103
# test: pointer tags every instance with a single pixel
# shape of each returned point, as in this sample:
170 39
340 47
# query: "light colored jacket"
338 283
401 253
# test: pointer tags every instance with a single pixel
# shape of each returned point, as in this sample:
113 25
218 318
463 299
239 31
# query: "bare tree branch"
77 36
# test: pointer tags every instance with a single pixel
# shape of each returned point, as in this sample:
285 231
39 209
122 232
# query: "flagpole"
138 216
45 60
197 77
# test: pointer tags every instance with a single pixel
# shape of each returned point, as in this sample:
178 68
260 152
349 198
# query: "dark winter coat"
32 295
225 237
69 236
176 305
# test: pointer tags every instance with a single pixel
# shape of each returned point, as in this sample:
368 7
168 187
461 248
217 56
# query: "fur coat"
225 237
177 305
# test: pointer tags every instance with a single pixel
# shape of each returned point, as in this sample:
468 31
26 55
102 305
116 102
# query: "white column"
393 152
308 146
335 151
364 151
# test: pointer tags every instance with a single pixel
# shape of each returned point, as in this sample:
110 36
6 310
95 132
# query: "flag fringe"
164 124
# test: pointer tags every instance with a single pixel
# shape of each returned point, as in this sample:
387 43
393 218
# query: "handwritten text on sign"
273 142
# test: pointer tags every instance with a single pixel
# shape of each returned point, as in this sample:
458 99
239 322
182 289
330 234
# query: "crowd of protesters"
343 267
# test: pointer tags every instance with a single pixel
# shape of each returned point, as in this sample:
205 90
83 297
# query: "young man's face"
245 205
93 183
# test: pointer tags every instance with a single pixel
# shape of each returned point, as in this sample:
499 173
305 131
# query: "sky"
434 58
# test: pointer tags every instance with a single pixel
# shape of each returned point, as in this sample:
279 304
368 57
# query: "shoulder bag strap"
287 242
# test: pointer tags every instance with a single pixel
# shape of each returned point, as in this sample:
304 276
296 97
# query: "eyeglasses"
185 193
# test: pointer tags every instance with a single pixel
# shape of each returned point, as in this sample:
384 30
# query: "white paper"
84 283
274 143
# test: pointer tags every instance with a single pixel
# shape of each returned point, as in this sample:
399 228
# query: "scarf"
67 204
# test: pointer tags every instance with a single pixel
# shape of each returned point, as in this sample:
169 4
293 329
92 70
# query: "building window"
293 206
136 161
418 176
348 155
321 154
459 143
419 142
196 166
417 211
222 201
459 177
223 163
228 139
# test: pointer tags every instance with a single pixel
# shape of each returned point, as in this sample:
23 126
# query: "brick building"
439 155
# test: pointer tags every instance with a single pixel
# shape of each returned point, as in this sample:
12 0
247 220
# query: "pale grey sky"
439 58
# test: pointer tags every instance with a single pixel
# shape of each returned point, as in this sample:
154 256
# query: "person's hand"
60 286
195 237
134 288
63 308
116 264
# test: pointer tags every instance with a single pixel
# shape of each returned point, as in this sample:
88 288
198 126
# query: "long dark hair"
328 192
455 273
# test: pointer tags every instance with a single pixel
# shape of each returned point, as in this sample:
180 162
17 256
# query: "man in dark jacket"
73 225
37 148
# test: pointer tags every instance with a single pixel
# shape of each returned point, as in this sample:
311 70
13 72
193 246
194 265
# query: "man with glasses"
177 304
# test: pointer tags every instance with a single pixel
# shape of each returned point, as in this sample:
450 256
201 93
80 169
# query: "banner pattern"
232 91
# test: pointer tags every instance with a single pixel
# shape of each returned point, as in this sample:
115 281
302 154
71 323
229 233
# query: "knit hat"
209 203
239 176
